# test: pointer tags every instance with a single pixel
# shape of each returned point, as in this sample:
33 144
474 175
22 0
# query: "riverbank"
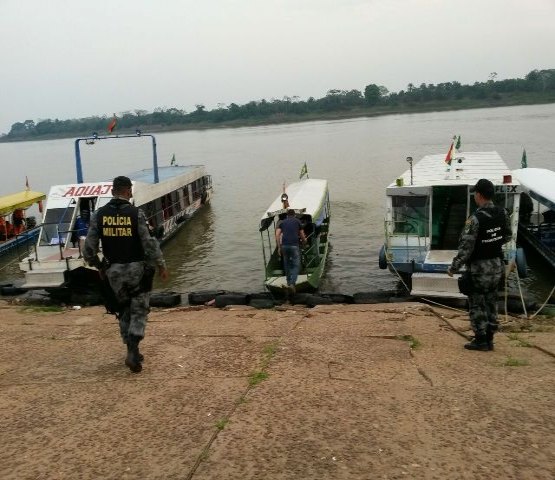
337 391
357 112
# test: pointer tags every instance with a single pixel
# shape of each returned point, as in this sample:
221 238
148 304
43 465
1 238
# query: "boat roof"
466 169
24 199
164 173
539 184
308 195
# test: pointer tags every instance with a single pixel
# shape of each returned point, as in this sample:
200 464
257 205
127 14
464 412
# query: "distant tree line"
374 99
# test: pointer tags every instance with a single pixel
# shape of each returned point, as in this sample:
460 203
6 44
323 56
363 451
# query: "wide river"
220 247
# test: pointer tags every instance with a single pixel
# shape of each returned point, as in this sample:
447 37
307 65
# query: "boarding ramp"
434 281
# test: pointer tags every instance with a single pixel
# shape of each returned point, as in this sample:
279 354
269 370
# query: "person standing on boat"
130 255
289 235
487 229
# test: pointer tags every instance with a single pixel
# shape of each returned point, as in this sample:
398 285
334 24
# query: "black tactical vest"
491 231
118 227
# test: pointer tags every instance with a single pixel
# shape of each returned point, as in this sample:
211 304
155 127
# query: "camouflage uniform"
125 278
486 273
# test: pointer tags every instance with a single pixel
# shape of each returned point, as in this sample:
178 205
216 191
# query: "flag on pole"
304 171
524 161
449 155
112 125
458 145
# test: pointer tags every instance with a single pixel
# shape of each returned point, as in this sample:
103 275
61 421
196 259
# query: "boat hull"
531 240
21 240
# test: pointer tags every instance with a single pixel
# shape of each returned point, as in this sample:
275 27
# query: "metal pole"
409 159
78 161
154 160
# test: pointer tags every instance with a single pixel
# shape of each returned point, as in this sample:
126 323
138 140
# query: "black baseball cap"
485 188
121 182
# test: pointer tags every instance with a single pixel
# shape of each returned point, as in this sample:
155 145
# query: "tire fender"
382 259
521 264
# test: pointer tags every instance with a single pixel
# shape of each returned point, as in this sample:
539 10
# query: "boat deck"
164 173
281 282
440 256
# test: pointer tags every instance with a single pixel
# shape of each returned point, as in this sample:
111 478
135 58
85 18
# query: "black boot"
133 360
478 343
141 356
489 339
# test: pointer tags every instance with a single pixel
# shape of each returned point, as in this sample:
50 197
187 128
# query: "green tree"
372 94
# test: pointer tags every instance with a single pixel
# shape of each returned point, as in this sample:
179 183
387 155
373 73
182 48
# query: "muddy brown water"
221 248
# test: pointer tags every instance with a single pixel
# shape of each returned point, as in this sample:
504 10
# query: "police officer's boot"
478 343
141 356
489 338
132 360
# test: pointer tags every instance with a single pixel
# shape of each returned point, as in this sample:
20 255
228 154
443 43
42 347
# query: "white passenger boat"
167 195
426 209
310 200
537 224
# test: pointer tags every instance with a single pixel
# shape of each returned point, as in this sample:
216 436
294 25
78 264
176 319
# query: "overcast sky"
74 58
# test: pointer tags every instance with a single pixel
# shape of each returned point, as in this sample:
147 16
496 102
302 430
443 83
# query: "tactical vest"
117 225
491 231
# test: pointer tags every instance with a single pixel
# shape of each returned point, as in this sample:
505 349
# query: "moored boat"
168 196
537 212
310 200
426 209
16 228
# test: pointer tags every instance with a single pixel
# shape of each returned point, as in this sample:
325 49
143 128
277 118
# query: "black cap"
485 188
121 182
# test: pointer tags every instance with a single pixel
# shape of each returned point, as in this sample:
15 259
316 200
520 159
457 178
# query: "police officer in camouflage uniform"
480 250
130 253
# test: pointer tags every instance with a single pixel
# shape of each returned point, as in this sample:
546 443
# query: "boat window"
56 220
410 215
197 189
186 199
500 200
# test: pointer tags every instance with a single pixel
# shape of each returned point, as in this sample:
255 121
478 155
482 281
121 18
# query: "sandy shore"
334 392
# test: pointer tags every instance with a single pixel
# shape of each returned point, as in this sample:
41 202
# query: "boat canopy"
539 183
466 169
18 200
307 197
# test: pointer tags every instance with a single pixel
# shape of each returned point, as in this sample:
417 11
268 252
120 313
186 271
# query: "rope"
520 293
444 306
544 303
9 263
395 270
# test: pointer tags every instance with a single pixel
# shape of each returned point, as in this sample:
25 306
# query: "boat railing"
310 255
